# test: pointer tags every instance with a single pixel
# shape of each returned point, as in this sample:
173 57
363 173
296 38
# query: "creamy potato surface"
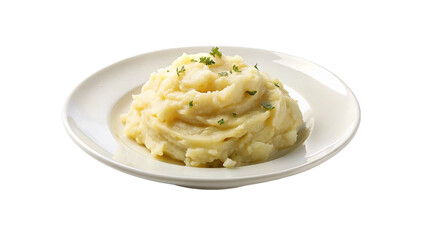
212 110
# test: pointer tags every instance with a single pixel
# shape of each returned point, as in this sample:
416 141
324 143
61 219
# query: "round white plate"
330 111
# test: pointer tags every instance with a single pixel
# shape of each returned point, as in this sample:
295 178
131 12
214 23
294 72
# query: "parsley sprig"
182 70
206 60
215 52
267 105
221 121
235 68
251 92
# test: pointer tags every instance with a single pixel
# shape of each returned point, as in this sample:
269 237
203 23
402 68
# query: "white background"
373 189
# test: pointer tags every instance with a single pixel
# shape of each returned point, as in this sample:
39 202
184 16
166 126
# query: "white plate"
330 111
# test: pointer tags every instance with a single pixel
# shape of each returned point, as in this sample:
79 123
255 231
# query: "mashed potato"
212 110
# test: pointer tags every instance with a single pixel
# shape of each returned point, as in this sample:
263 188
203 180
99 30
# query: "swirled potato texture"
213 111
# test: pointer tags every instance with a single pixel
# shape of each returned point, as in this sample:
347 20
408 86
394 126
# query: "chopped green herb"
191 103
277 84
215 52
234 114
223 74
168 70
255 66
193 60
182 69
230 72
221 121
251 92
206 60
267 105
235 68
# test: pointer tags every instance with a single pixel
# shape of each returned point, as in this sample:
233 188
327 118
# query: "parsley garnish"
255 66
191 103
277 84
267 105
235 68
206 60
251 92
221 121
234 114
223 74
168 70
193 60
182 69
215 51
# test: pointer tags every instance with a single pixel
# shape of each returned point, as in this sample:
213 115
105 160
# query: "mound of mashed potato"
212 110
